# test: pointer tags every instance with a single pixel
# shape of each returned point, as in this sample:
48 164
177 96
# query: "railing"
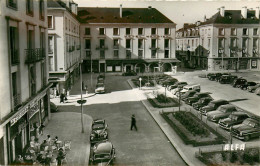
128 56
154 48
16 100
101 47
14 57
34 55
102 56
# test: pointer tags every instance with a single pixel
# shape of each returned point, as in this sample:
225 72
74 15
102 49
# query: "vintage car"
100 88
222 112
216 76
196 97
250 128
201 103
227 79
99 131
187 94
176 85
195 87
239 82
103 152
233 119
169 81
213 105
253 88
247 84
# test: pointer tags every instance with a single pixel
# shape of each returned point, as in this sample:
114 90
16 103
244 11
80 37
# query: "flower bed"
161 101
248 156
192 130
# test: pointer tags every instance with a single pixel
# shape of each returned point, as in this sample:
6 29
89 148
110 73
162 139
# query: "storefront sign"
234 147
34 108
17 117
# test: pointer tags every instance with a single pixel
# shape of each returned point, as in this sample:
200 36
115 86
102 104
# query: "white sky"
179 11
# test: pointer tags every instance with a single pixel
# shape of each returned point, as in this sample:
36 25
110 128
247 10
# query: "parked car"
250 128
257 91
178 84
215 76
233 119
244 86
219 75
196 97
239 82
202 102
100 88
129 73
53 107
227 79
103 152
195 87
187 94
99 131
222 112
253 88
213 105
169 81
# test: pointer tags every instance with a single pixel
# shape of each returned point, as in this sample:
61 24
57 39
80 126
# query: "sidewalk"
67 126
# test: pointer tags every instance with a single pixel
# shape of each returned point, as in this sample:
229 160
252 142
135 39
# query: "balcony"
14 57
34 55
101 47
16 100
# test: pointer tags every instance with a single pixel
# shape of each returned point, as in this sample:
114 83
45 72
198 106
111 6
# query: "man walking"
133 122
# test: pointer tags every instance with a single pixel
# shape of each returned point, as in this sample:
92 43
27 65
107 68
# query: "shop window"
87 31
116 31
128 31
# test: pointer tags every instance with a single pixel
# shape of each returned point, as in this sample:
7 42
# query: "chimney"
121 11
244 12
222 11
257 12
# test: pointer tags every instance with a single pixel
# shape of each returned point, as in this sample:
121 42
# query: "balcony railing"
34 55
14 57
16 100
154 48
101 47
128 56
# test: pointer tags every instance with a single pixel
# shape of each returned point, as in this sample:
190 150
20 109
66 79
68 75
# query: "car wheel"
247 137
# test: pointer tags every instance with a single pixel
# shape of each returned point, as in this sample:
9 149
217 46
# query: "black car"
247 84
233 119
219 75
196 97
177 84
187 94
169 81
129 73
227 79
201 103
99 131
213 105
239 82
215 76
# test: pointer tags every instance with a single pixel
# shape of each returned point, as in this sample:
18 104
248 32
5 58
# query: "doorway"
128 68
102 67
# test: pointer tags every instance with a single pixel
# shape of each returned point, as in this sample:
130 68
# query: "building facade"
24 75
229 40
64 44
125 39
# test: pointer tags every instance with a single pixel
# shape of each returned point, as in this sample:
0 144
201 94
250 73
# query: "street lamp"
81 102
140 79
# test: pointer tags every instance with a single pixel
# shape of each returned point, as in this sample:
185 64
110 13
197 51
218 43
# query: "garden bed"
161 101
192 130
250 156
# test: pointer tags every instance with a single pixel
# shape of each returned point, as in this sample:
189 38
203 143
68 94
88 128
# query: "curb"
178 149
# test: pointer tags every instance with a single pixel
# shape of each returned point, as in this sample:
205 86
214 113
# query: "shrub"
233 157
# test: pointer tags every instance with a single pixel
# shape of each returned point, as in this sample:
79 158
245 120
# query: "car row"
102 150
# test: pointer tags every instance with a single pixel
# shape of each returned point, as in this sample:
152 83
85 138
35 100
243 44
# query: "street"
148 145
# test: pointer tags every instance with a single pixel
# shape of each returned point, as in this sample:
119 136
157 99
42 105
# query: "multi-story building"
124 39
24 75
64 43
229 40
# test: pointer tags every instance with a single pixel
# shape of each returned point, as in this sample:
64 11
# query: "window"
244 42
140 53
221 42
12 3
208 43
166 43
16 96
153 54
221 31
87 44
140 43
50 22
50 46
153 31
14 45
153 42
116 43
51 67
116 31
255 31
88 54
102 54
128 31
167 31
233 31
101 31
87 31
245 31
233 42
66 23
116 53
29 7
41 9
255 46
128 54
43 78
166 53
140 31
102 43
202 42
128 43
32 81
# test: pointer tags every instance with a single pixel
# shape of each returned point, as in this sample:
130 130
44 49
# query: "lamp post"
90 69
140 79
81 102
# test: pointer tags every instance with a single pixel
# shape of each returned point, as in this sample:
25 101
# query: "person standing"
133 122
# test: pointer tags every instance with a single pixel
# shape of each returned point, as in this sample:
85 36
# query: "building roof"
233 17
187 26
54 4
129 15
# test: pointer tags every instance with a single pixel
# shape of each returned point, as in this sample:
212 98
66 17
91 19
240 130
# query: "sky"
179 11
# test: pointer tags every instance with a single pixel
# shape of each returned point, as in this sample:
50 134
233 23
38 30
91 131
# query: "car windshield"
102 156
233 117
100 85
249 123
98 126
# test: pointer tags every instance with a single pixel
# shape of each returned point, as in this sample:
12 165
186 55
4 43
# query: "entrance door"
102 67
128 68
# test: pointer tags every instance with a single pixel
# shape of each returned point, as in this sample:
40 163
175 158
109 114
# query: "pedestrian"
54 92
62 98
133 122
41 128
